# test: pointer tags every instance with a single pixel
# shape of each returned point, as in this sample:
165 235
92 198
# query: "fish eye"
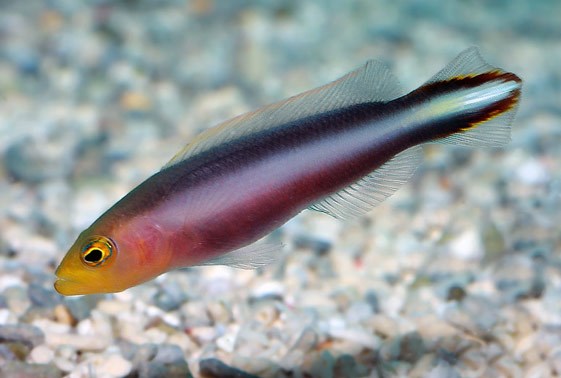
97 251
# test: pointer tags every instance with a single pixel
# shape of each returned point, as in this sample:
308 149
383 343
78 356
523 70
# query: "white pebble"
269 288
203 335
442 370
114 366
532 172
6 316
358 336
226 342
41 354
358 312
467 246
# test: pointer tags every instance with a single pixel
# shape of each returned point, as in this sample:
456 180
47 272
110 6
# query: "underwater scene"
387 202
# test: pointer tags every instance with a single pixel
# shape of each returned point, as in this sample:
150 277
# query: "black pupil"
94 256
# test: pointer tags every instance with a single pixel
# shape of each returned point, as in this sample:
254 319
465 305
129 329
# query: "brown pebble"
63 315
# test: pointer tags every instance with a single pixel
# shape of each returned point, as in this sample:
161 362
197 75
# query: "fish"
340 149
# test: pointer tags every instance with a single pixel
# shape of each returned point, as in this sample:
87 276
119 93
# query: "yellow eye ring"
97 251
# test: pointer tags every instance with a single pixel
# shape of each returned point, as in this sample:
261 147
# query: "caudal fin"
479 101
468 103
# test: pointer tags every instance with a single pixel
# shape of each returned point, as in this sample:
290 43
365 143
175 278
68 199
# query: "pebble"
532 172
168 361
323 366
271 290
90 343
443 370
214 368
17 300
219 312
411 347
361 337
81 307
113 365
64 316
359 312
42 354
6 354
455 292
195 314
346 366
493 242
372 299
227 342
467 245
170 297
23 370
42 297
26 334
35 159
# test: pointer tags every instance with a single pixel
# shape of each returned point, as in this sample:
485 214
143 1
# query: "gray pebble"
493 242
319 246
214 368
6 354
443 370
170 297
346 366
474 313
409 348
169 353
307 340
17 299
40 296
358 312
81 307
22 370
372 299
528 289
33 161
323 267
167 361
449 357
324 366
455 292
3 302
146 352
156 369
26 334
412 347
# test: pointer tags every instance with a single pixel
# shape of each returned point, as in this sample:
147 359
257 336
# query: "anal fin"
360 197
253 256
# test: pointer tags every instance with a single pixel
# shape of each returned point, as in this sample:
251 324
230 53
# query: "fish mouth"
67 283
67 287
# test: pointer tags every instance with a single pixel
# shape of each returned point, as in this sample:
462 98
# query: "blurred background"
458 274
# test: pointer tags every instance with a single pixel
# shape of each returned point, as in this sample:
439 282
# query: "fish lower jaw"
68 287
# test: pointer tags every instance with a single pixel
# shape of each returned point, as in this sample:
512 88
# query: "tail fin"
478 99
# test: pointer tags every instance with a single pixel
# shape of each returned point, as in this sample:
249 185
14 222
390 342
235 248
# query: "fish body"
340 149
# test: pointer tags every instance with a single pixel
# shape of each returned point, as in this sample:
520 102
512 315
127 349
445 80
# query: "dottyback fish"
340 149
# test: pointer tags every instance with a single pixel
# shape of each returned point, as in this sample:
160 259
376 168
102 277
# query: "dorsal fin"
372 82
468 63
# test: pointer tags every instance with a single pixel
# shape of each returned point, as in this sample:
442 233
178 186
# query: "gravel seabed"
457 275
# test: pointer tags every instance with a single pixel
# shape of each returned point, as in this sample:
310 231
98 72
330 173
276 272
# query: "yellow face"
88 267
109 260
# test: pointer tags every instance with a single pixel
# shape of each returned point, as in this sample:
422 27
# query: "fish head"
110 262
